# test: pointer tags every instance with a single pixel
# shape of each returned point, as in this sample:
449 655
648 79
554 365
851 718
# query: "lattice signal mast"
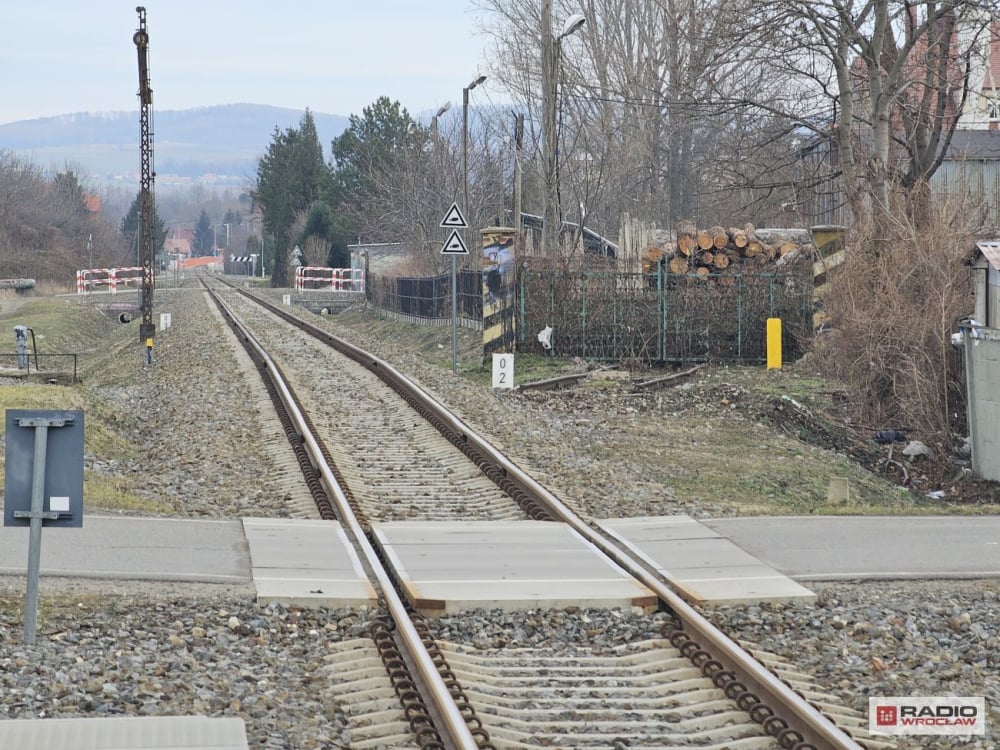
141 39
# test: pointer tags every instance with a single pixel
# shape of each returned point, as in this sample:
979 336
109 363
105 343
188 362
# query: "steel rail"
456 727
817 731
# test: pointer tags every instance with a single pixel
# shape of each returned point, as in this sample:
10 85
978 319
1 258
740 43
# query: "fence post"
661 300
774 343
739 316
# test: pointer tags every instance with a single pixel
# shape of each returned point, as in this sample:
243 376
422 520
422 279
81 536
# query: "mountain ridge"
223 139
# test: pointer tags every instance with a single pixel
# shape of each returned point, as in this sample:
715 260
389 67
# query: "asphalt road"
159 549
836 547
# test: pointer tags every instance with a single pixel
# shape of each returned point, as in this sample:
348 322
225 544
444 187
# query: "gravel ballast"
130 648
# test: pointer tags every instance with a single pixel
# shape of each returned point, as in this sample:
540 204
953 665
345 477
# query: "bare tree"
640 121
47 232
886 82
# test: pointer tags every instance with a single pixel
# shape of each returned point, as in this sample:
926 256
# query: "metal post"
551 54
465 189
518 172
465 150
550 57
35 534
36 516
454 315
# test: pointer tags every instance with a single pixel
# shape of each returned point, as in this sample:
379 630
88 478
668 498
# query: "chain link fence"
617 317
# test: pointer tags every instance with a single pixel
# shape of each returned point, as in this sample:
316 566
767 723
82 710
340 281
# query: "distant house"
982 108
177 246
971 169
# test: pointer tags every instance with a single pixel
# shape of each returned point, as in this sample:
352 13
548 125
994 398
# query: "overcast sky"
337 57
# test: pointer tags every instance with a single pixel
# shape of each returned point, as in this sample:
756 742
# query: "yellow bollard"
774 343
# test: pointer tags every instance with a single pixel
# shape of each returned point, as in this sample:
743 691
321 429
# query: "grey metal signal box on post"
44 484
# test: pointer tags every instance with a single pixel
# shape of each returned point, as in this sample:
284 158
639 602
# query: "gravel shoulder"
118 647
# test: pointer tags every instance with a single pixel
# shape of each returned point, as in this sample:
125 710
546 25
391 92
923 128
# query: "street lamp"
465 141
468 213
551 51
434 120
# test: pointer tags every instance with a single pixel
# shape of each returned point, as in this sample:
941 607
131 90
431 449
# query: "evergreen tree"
204 236
367 158
68 192
291 176
130 231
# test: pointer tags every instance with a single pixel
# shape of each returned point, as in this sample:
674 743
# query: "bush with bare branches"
894 304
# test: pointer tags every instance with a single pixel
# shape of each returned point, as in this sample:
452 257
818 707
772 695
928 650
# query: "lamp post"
468 213
551 50
434 120
465 141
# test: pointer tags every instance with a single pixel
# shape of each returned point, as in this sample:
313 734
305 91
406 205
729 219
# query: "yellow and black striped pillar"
499 289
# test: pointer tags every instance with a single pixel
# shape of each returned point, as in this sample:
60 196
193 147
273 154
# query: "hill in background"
214 144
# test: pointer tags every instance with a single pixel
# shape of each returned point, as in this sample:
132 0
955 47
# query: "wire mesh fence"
664 317
427 297
612 316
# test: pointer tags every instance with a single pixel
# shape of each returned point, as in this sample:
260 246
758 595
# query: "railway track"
367 437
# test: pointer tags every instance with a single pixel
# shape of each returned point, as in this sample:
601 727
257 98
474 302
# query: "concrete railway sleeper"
783 714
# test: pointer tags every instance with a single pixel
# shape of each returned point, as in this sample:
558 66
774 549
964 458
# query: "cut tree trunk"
719 237
678 264
687 234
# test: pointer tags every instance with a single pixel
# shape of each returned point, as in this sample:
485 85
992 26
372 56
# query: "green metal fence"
663 317
617 317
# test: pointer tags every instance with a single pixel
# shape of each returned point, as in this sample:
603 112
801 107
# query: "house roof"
974 144
177 246
990 251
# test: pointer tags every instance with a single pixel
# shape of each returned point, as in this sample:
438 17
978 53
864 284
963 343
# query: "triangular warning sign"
454 245
454 219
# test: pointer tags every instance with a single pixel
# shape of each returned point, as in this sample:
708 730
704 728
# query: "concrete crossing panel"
514 565
305 562
125 733
703 566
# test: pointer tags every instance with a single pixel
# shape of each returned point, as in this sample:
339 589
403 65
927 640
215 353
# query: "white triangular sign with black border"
454 245
454 219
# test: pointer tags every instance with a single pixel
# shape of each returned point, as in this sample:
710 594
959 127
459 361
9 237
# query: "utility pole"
518 149
551 51
141 39
550 197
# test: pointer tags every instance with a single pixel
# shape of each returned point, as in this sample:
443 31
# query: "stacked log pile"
717 249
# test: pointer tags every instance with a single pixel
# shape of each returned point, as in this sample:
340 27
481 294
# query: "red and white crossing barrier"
90 279
336 279
93 279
